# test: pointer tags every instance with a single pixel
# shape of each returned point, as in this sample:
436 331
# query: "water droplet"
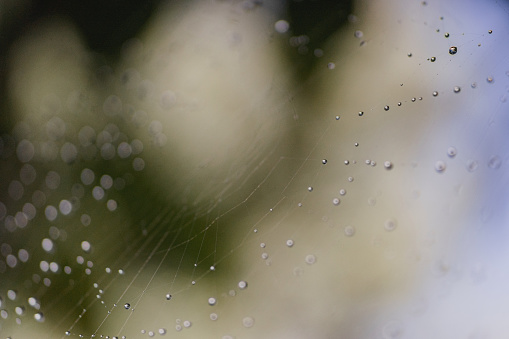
495 162
85 246
324 161
358 34
213 316
457 89
331 65
473 85
472 165
335 201
187 323
386 108
372 163
310 259
390 225
409 55
347 162
289 243
265 256
446 35
98 192
310 189
212 301
451 152
433 59
281 26
435 93
356 144
337 117
242 284
393 330
212 268
39 317
138 164
490 80
168 296
413 99
350 179
248 322
440 166
399 103
349 231
490 31
388 165
47 244
361 114
453 50
262 245
127 306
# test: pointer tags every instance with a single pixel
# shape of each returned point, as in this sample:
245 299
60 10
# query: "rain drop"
335 201
127 306
386 108
361 114
453 50
457 89
435 93
446 35
433 59
324 161
310 189
242 284
212 301
289 243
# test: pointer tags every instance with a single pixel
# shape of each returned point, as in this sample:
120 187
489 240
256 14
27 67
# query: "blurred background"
253 169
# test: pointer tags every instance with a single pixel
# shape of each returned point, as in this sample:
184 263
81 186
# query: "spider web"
366 201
